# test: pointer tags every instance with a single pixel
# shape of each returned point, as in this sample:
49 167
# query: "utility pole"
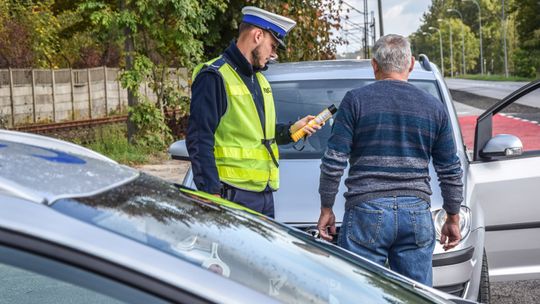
504 23
366 34
373 30
381 31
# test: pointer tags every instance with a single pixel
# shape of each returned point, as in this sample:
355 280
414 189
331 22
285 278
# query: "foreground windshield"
252 250
296 99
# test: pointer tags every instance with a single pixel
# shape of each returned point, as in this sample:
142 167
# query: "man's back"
394 128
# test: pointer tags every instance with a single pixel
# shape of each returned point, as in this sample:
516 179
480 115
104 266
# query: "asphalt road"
494 89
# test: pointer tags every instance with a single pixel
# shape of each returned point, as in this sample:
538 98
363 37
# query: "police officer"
232 134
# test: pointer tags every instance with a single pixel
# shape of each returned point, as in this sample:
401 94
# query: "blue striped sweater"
388 131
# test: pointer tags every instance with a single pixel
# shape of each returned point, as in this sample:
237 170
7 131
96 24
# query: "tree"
311 39
157 35
528 26
29 34
493 29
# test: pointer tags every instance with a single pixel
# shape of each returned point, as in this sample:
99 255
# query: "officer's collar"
239 62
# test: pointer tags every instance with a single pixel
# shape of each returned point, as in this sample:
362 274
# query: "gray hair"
392 53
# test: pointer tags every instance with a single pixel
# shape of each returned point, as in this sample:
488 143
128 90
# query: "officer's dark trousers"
262 202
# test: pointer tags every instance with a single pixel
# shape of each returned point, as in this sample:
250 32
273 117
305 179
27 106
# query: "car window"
296 99
521 118
28 278
245 248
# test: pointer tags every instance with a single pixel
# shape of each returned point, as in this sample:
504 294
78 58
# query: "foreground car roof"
54 169
331 69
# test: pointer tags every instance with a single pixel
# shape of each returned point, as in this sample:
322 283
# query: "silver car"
76 227
499 216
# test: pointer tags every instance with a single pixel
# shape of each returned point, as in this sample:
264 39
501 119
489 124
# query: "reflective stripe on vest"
241 158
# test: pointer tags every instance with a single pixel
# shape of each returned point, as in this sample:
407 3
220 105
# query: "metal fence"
30 96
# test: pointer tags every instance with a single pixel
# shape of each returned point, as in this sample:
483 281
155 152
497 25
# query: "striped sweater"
388 131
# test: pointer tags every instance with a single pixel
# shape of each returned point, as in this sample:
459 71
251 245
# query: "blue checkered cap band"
266 25
278 25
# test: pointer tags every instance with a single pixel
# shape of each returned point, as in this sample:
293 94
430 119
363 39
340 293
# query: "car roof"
42 169
333 69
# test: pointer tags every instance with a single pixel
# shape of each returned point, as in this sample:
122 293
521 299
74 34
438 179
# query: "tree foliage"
528 26
311 39
28 34
520 23
163 34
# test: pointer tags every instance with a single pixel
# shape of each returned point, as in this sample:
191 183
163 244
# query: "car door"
504 178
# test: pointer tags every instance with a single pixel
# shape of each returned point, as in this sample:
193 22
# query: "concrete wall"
44 96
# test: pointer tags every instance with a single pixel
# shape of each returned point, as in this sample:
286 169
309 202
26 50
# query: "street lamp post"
480 30
451 52
462 38
440 47
428 34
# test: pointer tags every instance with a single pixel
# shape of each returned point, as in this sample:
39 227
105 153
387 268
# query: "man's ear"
258 35
412 64
375 65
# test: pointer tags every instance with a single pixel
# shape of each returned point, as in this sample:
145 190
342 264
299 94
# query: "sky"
399 17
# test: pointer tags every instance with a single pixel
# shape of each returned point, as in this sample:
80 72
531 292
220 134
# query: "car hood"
297 201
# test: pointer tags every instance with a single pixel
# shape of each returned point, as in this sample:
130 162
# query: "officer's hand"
450 232
327 224
303 123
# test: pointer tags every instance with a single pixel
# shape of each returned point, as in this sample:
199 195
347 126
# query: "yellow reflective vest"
242 159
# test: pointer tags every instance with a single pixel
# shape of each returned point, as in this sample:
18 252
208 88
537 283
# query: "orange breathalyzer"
318 120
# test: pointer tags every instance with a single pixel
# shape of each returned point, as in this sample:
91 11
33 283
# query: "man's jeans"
399 229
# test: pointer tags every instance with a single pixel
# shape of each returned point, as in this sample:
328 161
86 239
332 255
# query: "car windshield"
271 258
296 99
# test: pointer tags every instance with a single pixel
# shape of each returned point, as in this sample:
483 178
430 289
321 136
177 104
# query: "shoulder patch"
216 64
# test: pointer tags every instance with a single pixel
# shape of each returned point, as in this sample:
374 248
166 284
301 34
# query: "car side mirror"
178 150
502 145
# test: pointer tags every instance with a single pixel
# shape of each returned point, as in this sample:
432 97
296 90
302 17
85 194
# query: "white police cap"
277 25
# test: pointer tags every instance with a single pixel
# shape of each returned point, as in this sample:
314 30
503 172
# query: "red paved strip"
528 132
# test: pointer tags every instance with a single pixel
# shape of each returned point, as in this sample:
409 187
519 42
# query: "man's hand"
303 123
327 222
450 232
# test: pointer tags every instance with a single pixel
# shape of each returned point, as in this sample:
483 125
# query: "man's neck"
392 76
245 50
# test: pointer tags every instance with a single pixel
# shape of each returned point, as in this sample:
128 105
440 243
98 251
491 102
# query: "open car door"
504 177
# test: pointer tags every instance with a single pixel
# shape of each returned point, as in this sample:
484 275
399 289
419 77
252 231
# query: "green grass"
112 142
494 77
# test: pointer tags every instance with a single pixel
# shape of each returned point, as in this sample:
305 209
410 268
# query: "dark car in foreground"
76 227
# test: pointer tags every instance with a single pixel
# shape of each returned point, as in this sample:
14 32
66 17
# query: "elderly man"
232 134
388 131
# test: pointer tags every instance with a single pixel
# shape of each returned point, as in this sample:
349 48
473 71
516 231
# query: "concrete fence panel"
42 95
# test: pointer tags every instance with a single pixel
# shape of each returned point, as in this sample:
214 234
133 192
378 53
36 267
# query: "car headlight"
439 217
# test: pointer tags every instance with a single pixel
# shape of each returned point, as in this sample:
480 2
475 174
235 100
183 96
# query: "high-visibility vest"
242 158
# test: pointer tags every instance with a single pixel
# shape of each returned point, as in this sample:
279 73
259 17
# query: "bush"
526 63
111 141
